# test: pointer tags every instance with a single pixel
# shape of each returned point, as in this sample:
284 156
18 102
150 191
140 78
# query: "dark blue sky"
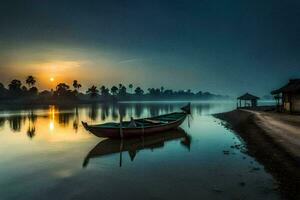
227 47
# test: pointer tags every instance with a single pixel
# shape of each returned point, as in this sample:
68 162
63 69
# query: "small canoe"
133 145
139 127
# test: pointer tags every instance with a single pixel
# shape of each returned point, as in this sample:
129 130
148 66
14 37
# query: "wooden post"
291 103
143 133
121 143
121 130
121 150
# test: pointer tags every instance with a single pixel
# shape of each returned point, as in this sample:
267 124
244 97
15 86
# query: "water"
43 153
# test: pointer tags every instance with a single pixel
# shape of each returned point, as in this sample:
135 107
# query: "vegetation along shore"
28 93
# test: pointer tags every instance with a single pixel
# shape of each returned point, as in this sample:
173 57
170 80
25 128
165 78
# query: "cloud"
130 60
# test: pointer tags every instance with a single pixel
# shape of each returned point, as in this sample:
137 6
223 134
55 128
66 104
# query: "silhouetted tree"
139 91
45 94
1 86
154 91
30 81
122 91
168 93
15 87
120 85
92 91
114 90
62 90
33 91
3 91
76 85
24 89
104 91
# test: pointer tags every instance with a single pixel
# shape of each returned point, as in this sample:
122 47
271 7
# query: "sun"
51 79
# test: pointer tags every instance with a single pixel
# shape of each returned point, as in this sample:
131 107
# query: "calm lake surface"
47 154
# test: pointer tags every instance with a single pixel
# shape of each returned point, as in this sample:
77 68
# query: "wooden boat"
139 127
133 145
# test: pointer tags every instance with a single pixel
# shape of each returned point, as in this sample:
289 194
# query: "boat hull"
133 132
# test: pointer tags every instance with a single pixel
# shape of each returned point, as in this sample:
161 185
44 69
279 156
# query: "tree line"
15 90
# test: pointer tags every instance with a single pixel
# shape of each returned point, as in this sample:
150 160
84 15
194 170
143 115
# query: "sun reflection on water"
51 126
51 117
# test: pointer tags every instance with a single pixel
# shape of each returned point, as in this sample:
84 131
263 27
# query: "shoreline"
12 104
266 136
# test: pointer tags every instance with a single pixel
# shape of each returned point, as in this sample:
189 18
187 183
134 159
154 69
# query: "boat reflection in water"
133 145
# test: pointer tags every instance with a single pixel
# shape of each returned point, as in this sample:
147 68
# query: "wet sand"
274 140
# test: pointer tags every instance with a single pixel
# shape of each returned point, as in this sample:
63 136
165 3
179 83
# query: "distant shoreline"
269 144
67 103
96 101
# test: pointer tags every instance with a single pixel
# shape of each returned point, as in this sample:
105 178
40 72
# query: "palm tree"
162 89
114 90
30 81
76 85
104 91
92 91
130 86
122 91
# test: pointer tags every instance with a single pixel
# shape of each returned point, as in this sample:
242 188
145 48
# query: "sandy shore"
274 140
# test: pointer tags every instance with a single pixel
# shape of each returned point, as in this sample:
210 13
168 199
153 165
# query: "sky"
221 46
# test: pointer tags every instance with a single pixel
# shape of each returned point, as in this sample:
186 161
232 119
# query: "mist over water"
47 154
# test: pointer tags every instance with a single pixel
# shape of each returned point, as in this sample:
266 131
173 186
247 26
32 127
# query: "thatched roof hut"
248 96
288 96
293 86
249 100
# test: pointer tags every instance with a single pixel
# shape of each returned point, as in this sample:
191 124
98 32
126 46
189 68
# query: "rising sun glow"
51 79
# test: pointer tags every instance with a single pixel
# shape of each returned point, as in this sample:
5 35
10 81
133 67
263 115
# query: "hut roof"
248 96
292 86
